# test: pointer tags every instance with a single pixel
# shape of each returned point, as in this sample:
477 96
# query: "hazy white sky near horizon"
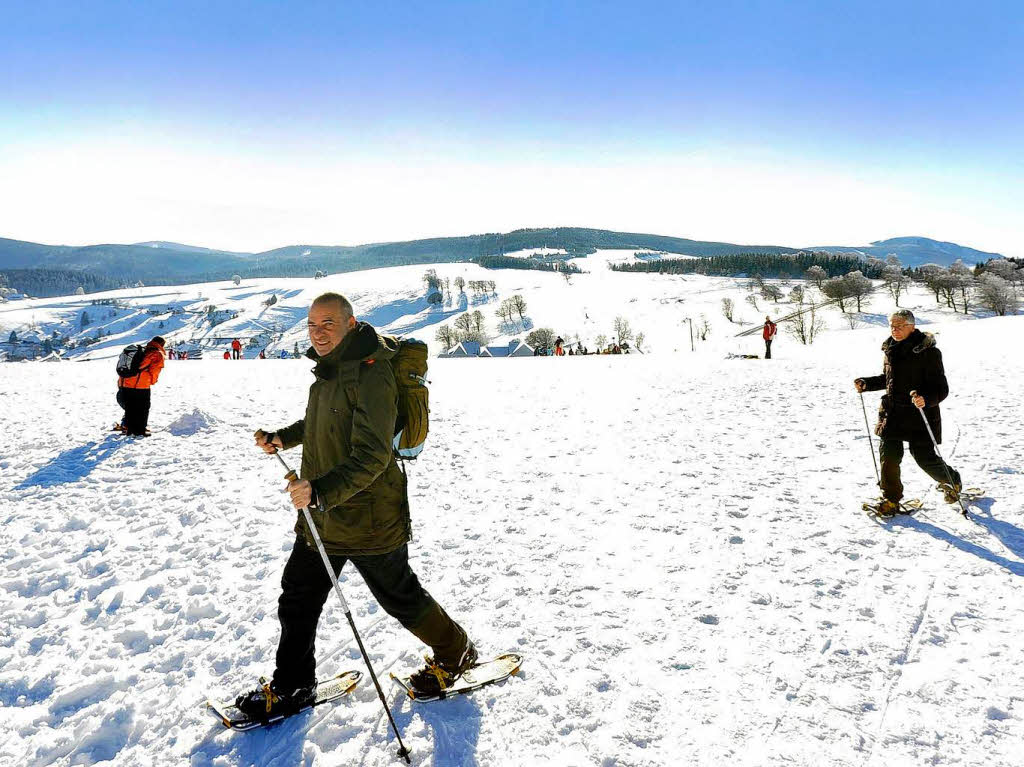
255 126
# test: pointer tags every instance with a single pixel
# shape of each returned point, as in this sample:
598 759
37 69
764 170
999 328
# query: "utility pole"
692 348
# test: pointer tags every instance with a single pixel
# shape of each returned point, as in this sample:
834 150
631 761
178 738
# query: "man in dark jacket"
913 363
357 496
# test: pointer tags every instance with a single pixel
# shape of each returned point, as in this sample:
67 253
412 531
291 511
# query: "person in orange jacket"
227 355
236 349
133 392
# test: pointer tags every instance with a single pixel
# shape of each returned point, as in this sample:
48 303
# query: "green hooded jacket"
347 452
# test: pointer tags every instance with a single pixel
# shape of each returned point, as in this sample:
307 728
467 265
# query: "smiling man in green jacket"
357 497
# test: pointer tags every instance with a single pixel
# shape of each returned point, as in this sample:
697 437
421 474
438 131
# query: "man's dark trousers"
305 587
891 454
767 348
136 409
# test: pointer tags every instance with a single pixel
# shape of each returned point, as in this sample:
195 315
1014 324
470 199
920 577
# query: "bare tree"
704 329
541 338
806 326
997 294
727 308
460 283
639 341
505 311
478 321
895 281
622 330
796 295
838 290
816 274
772 292
963 282
463 326
860 287
752 300
445 337
518 304
602 342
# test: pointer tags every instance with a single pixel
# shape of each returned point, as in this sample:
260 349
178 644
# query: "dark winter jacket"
347 451
913 364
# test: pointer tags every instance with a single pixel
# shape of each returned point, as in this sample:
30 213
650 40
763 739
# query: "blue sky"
253 125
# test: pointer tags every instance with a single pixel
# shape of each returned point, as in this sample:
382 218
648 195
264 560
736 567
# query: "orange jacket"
236 345
149 372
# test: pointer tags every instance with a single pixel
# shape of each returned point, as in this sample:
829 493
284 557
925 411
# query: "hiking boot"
950 492
269 699
435 677
887 508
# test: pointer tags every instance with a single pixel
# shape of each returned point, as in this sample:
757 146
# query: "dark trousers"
305 587
891 454
767 348
135 403
236 354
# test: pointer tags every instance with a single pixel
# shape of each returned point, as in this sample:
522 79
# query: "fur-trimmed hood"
918 341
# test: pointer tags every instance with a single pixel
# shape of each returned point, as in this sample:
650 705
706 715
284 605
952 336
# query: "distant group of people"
561 350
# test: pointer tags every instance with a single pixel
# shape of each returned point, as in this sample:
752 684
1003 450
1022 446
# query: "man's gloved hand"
859 385
270 442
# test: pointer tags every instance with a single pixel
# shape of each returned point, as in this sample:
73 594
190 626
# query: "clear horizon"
252 126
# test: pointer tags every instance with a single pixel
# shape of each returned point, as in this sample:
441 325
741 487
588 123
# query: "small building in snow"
465 349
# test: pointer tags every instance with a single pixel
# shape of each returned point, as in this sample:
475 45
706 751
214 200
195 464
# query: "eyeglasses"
898 326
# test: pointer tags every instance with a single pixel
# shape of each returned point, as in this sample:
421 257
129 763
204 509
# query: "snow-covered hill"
673 540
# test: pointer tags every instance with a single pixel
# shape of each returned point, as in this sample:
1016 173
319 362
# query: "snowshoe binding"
886 509
270 700
435 677
951 493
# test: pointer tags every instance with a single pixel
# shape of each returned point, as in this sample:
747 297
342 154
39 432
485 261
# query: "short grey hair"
903 314
343 303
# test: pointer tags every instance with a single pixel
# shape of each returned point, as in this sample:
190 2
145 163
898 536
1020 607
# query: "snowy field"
674 541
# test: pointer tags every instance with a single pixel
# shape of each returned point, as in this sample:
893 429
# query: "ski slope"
673 540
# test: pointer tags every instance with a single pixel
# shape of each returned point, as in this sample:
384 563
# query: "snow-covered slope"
673 540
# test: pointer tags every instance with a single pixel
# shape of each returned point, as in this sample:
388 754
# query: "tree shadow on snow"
74 464
1011 536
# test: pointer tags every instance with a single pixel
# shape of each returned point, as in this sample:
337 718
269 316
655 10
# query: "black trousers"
236 354
767 348
135 403
891 454
305 587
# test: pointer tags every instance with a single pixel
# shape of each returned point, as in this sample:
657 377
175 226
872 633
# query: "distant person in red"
236 349
227 355
133 392
770 328
559 351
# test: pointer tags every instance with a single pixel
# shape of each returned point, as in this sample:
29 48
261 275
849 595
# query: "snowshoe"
434 678
270 700
886 509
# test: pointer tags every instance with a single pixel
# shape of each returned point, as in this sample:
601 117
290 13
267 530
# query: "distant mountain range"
159 262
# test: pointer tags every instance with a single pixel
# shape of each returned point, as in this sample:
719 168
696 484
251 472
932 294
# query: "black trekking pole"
291 476
871 443
928 426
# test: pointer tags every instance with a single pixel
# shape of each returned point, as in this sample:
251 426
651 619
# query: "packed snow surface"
674 542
